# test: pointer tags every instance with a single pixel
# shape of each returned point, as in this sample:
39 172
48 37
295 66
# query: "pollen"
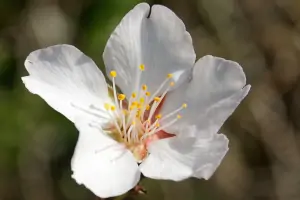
147 107
157 99
121 97
138 114
142 67
169 75
133 95
142 100
135 104
184 105
158 116
179 116
144 87
113 74
157 125
140 105
148 94
112 108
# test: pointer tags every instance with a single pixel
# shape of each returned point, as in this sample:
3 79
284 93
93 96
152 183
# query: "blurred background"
263 163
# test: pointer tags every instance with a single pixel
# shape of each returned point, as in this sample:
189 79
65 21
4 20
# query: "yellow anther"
131 107
148 94
107 106
169 75
135 103
142 67
157 125
133 122
142 100
158 116
144 87
113 108
125 111
147 107
133 95
172 83
179 116
157 99
138 114
184 105
113 74
121 97
139 106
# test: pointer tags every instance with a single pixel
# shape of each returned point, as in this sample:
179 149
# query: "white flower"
167 117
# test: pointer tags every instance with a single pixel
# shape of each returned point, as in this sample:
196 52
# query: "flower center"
137 121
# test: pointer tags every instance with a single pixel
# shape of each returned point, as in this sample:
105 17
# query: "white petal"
159 41
182 157
101 164
211 156
216 89
68 81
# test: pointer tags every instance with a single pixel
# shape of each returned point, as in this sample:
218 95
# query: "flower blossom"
160 116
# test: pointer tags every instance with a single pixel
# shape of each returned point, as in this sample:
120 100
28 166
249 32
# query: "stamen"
175 112
147 107
135 126
150 128
158 89
129 132
170 76
142 100
144 87
152 110
113 74
142 67
158 116
167 125
157 99
135 103
138 114
121 97
131 114
112 108
97 109
115 120
133 95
